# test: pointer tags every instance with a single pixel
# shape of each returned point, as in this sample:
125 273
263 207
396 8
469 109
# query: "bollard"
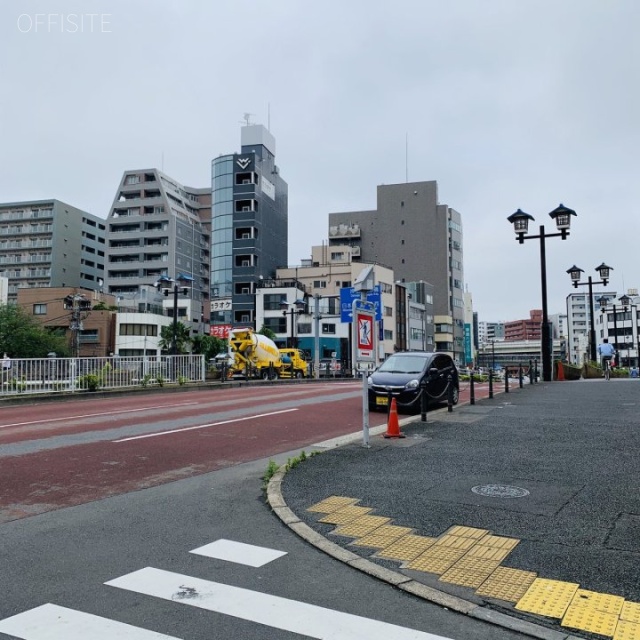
506 380
520 376
535 370
472 390
530 371
423 401
490 383
449 393
389 398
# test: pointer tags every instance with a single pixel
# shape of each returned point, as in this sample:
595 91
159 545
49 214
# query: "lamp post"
297 308
603 308
603 271
166 284
627 305
520 220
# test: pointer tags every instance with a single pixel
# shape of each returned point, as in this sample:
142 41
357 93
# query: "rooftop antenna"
246 117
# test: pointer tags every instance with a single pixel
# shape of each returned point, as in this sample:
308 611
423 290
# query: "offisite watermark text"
64 23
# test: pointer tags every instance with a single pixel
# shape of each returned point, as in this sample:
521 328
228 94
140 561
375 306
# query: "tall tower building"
419 239
49 243
249 226
157 227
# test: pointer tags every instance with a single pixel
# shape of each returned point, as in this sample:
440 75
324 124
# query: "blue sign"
468 354
348 295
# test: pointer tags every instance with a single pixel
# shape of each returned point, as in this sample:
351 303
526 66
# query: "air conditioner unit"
246 236
245 263
246 208
245 290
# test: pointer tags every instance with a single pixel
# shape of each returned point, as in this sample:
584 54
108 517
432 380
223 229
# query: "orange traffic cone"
393 426
560 375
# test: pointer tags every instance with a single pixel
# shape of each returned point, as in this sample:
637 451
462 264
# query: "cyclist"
606 352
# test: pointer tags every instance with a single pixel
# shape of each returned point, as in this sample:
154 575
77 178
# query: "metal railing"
30 376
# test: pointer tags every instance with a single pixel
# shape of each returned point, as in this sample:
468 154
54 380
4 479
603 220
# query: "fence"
57 375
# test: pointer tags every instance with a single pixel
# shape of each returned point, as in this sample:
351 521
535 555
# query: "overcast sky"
506 103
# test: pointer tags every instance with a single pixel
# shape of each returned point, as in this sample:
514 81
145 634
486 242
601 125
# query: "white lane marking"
51 622
203 426
94 415
273 611
239 552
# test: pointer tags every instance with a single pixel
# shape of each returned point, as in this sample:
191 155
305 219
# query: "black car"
401 376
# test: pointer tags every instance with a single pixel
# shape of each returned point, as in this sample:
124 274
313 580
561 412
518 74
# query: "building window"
328 327
132 179
319 284
39 309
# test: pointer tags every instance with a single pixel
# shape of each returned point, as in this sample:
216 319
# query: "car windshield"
404 363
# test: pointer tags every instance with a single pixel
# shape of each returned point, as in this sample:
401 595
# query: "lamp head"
575 272
604 270
562 217
625 301
520 222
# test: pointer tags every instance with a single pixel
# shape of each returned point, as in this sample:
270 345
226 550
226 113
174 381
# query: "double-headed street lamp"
166 284
297 307
625 301
520 220
603 271
627 305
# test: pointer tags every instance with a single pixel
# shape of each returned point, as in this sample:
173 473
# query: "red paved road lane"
45 478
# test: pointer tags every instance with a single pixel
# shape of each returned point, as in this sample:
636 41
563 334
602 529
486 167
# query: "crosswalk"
52 622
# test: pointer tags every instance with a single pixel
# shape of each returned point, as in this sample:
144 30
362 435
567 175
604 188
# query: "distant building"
579 323
528 329
420 239
489 331
49 243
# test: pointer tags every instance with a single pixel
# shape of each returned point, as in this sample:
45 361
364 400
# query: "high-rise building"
249 226
157 227
420 239
49 243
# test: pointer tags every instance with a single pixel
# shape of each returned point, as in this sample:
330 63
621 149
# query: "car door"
437 386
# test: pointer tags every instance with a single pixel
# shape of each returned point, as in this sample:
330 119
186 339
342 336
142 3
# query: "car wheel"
298 374
456 395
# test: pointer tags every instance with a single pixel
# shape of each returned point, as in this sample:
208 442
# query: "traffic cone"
393 426
560 375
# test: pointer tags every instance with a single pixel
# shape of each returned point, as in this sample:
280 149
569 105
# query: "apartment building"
49 243
249 226
419 239
157 227
525 329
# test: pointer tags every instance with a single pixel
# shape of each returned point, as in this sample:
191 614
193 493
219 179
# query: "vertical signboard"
468 351
364 335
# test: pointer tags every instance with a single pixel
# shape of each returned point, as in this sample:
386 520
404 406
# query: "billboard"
349 294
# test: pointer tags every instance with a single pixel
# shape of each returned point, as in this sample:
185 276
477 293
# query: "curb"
396 579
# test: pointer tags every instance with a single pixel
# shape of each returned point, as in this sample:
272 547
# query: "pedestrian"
6 367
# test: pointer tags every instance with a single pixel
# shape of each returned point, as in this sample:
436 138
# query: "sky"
506 103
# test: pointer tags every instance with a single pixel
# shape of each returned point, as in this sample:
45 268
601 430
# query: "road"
125 556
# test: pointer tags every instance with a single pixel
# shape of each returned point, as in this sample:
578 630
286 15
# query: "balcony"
344 231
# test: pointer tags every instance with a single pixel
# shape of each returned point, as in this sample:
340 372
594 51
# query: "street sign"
364 331
348 295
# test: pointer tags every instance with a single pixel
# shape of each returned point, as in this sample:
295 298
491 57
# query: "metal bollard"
389 398
506 380
423 401
530 371
472 390
535 370
490 383
520 376
449 393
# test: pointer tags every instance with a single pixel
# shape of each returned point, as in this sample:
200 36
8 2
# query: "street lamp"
297 307
166 284
603 271
604 310
520 220
627 305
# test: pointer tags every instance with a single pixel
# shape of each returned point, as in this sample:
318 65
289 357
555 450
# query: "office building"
249 226
420 239
579 324
489 332
157 227
49 243
525 329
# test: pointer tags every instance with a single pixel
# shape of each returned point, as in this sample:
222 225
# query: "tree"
210 346
21 336
183 338
265 331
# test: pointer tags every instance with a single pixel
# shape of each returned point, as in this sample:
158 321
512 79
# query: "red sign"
365 334
220 331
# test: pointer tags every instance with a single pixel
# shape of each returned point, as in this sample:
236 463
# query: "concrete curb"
395 578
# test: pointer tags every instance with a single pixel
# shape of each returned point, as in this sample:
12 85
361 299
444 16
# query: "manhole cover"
499 491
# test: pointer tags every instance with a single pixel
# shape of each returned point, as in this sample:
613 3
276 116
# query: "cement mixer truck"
256 356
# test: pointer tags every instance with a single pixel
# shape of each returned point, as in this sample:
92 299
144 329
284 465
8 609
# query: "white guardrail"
58 375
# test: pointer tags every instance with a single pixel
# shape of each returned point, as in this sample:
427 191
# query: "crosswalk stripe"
239 552
52 622
273 611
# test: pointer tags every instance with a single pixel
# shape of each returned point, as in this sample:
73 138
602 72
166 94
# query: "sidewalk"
541 484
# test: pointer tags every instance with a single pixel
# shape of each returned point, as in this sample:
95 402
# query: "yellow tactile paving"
626 630
488 553
598 601
436 559
346 515
407 548
466 532
332 503
469 572
550 598
361 526
507 584
498 542
455 542
382 536
588 619
630 612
